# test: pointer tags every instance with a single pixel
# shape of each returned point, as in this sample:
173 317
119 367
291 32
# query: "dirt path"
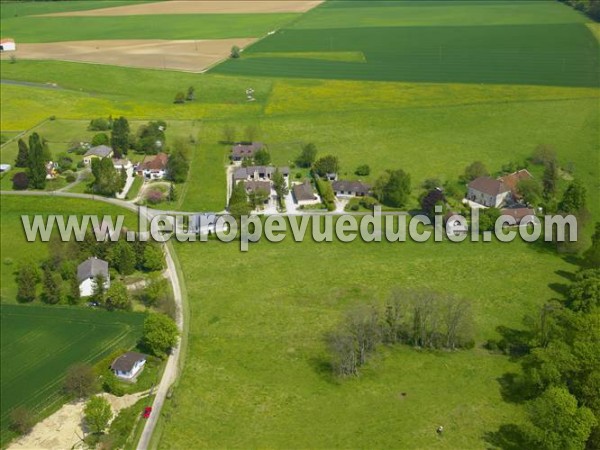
65 427
199 7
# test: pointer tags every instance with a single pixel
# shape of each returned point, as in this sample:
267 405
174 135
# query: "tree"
117 297
584 293
21 420
238 202
574 199
557 422
341 348
262 157
107 180
280 186
191 94
156 291
151 137
99 124
179 98
98 289
160 334
235 52
326 164
74 293
363 170
80 381
119 137
475 170
100 139
550 179
530 190
27 280
543 155
122 257
37 164
397 189
178 165
591 257
97 414
20 181
51 286
307 156
432 199
172 193
257 198
23 155
153 258
488 218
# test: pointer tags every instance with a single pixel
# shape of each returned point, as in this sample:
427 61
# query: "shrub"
179 98
80 165
298 175
20 181
99 124
21 420
100 139
354 207
326 193
70 177
363 170
154 197
235 52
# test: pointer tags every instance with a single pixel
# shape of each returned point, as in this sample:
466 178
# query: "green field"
540 42
39 343
12 9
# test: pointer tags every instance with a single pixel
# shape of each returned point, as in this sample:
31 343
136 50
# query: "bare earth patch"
186 55
65 427
200 7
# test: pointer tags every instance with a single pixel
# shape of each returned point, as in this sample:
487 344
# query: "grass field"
15 248
462 42
39 343
18 9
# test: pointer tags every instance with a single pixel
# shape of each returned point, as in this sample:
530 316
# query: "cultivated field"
198 7
40 342
187 55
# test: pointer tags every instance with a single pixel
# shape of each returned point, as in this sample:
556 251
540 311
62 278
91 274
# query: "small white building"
7 45
87 272
128 365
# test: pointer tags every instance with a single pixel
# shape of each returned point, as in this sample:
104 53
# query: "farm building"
154 169
100 151
304 194
87 271
511 181
350 188
7 45
128 365
245 150
488 192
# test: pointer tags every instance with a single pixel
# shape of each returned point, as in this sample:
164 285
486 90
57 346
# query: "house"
258 173
344 188
243 150
100 151
511 181
122 164
128 365
154 169
304 195
488 192
87 271
254 186
7 45
522 216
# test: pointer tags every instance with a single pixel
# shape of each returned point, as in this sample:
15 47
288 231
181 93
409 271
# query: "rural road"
172 367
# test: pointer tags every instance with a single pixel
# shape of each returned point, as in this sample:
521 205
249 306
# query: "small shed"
128 365
7 45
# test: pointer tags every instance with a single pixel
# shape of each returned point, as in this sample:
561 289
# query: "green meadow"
13 9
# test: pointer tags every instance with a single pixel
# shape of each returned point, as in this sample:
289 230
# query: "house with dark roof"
154 168
522 216
258 173
100 151
488 192
243 150
344 188
304 194
128 365
87 272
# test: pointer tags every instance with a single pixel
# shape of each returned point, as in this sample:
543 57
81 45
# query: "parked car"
147 411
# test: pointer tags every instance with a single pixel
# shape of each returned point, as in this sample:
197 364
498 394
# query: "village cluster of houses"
151 168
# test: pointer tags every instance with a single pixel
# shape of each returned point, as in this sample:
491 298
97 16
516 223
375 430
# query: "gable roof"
518 213
303 192
246 149
241 173
126 361
256 185
511 181
92 267
351 186
101 151
488 186
159 162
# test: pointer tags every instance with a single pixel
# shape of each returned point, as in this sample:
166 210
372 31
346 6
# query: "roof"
256 185
92 267
511 181
241 173
303 192
351 186
246 149
159 162
518 213
101 151
488 186
7 40
126 361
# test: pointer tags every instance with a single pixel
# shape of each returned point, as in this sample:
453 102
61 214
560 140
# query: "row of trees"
33 157
589 7
423 319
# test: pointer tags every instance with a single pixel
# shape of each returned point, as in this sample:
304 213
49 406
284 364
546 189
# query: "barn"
7 45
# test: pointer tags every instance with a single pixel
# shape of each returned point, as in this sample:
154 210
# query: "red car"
147 411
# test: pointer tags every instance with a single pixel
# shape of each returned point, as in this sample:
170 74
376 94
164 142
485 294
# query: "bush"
21 420
20 181
71 177
354 207
235 52
326 193
298 175
99 124
154 197
100 139
363 170
112 385
179 98
80 165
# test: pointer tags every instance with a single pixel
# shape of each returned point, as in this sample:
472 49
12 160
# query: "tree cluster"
107 179
393 188
178 164
33 157
151 137
160 334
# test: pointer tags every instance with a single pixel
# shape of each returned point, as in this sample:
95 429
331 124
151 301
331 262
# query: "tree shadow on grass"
508 437
324 369
515 342
512 388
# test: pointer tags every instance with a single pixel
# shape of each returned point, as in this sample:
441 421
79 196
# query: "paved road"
172 367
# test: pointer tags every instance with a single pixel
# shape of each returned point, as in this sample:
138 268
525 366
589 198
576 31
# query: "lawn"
257 368
40 342
14 247
542 43
172 26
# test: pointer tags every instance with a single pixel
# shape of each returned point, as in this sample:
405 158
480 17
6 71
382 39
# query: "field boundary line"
22 133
